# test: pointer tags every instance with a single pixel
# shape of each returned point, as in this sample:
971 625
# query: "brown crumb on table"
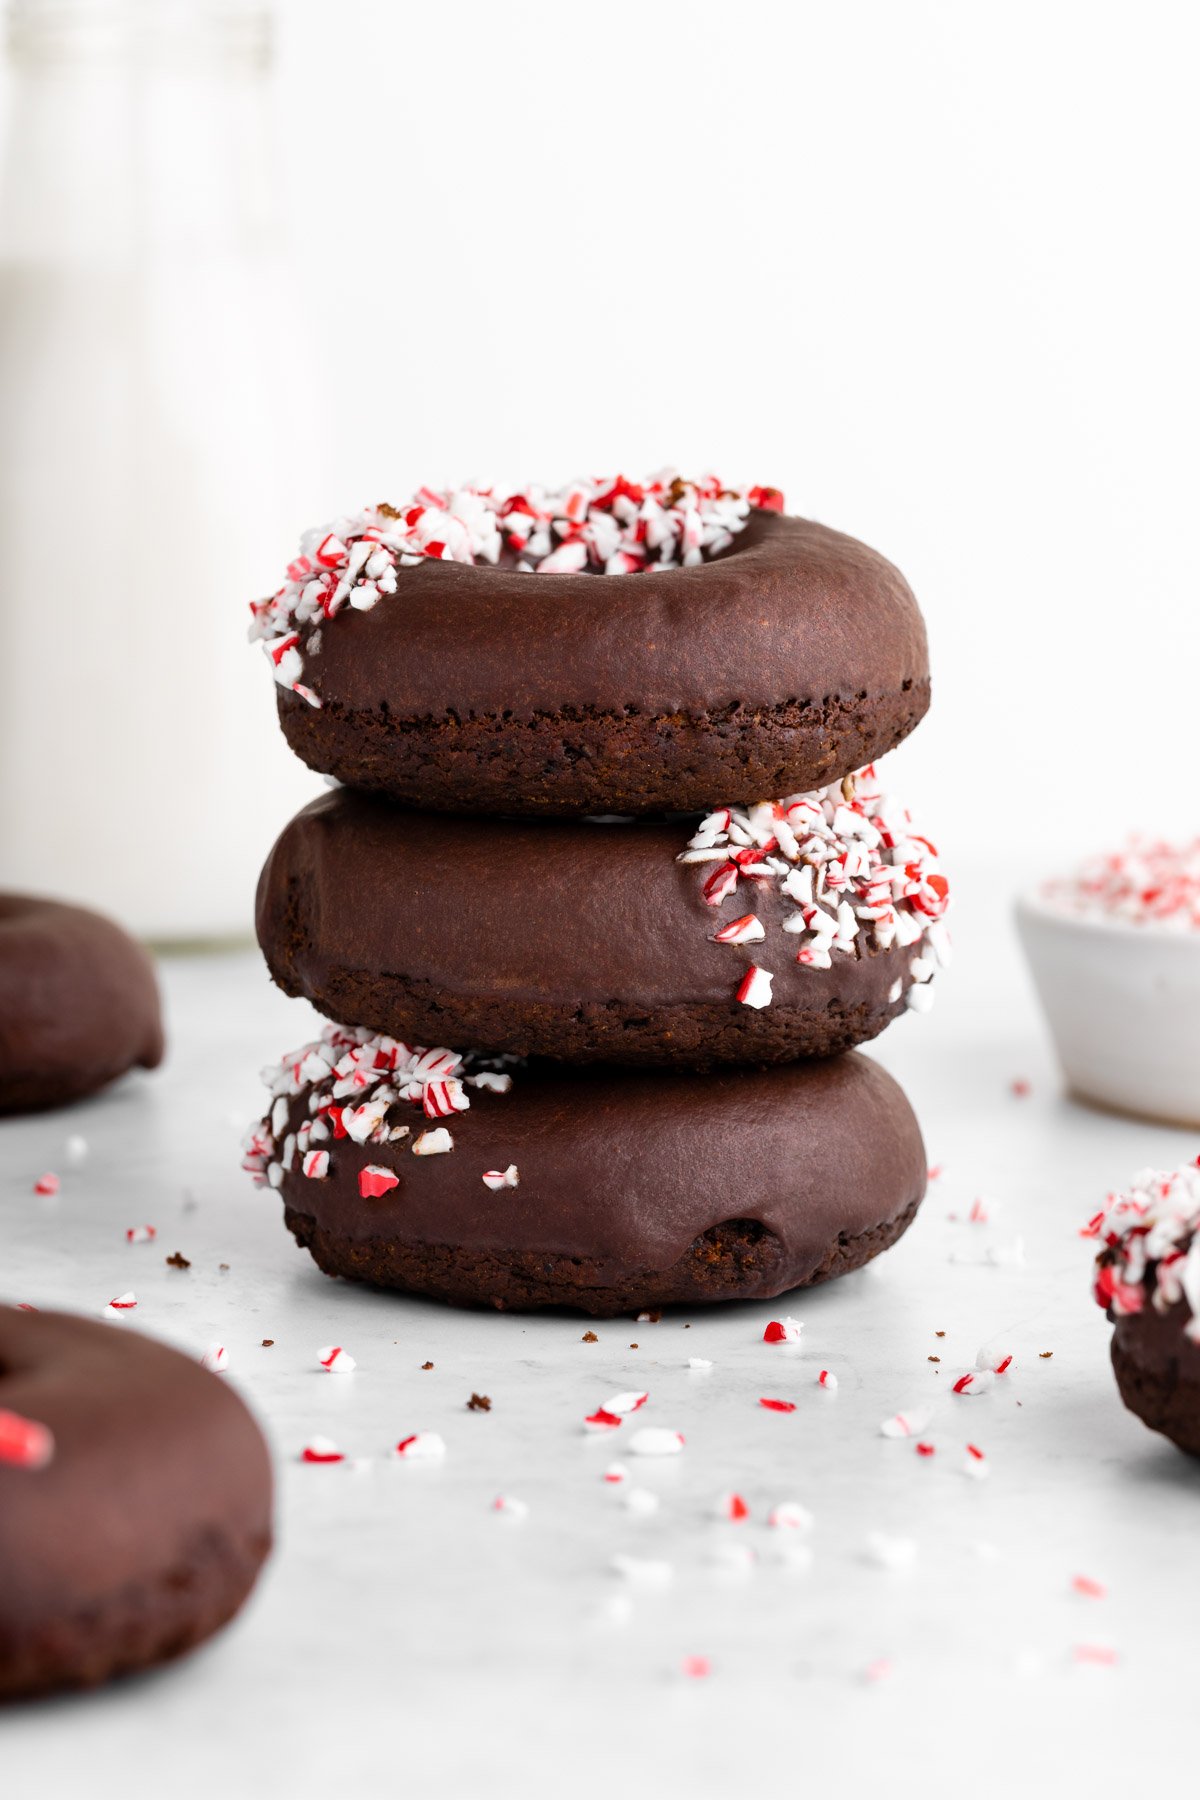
939 1334
224 1268
589 1337
427 1365
1045 1353
267 1342
178 1261
479 1403
933 1359
633 1346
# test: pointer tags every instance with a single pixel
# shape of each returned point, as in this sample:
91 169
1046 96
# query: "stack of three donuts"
553 853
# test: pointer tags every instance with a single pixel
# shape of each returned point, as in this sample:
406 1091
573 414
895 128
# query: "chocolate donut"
525 1187
589 942
78 1004
779 658
1148 1280
135 1502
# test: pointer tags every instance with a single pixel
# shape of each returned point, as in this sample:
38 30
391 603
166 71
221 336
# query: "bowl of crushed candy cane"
1115 955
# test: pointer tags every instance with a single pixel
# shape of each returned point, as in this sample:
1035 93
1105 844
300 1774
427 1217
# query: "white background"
931 268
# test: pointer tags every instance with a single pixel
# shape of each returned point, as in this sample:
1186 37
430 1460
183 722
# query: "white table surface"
407 1639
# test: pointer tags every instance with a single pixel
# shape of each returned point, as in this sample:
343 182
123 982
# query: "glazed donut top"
117 1456
704 598
1150 1245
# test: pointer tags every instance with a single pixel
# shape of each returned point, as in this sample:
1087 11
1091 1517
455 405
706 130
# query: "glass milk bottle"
155 407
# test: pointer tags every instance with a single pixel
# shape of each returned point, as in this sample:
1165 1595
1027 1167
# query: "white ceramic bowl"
1123 1006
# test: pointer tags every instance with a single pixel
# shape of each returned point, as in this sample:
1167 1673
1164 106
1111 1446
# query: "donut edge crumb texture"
79 1004
476 689
145 1531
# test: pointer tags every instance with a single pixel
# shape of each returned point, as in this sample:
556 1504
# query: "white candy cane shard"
642 1571
906 1424
511 1507
321 1450
76 1150
700 1364
975 1381
216 1358
501 1178
783 1331
615 1474
335 1360
421 1445
625 1403
316 1165
755 987
140 1234
433 1143
789 1515
639 1501
655 1440
123 1303
889 1552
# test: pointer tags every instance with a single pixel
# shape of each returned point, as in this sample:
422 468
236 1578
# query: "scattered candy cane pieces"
780 1406
828 1380
906 1424
887 1552
336 1360
746 930
140 1234
601 1420
783 1331
754 989
1089 1588
501 1178
789 1515
374 1181
975 1381
975 1463
321 1450
123 1303
47 1183
24 1443
316 1166
733 1508
656 1440
625 1403
420 1445
511 1508
993 1362
216 1359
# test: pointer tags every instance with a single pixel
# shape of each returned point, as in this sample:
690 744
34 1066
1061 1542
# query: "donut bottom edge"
1157 1391
585 761
737 1260
141 1626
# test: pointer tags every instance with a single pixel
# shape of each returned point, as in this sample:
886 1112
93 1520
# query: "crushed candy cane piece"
755 987
501 1178
993 1362
433 1143
925 1449
696 1668
642 1571
615 1474
1149 1237
975 1463
1089 1588
335 1360
747 930
699 1364
789 1515
374 1181
24 1443
321 1450
906 1424
601 1420
639 1501
216 1359
316 1165
140 1234
76 1149
655 1440
123 1303
625 1403
887 1552
1151 884
1102 1655
421 1445
511 1507
783 1331
47 1183
975 1381
733 1508
779 1406
828 1380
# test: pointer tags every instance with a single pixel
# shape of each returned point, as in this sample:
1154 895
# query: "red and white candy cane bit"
433 1143
993 1362
140 1234
47 1183
696 1668
123 1303
316 1165
789 1515
754 989
975 1381
321 1450
511 1507
615 1474
732 1507
1101 1655
720 884
629 1402
978 1214
783 1331
1089 1588
24 1443
779 1406
923 1448
374 1181
501 1178
601 1420
420 1445
335 1360
749 929
906 1424
656 1440
828 1380
215 1359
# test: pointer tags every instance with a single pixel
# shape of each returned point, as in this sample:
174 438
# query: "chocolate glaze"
627 1170
78 1003
516 915
792 610
158 1471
